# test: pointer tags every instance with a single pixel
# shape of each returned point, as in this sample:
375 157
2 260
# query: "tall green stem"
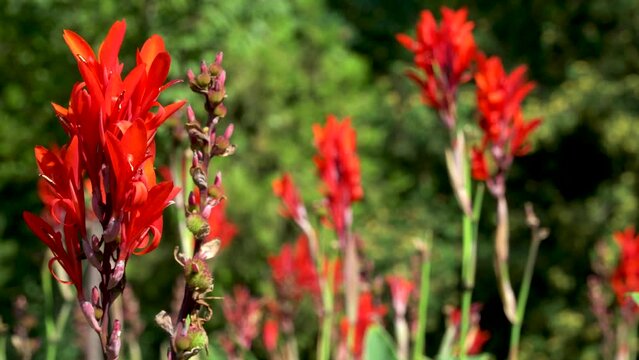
537 236
327 316
424 292
49 323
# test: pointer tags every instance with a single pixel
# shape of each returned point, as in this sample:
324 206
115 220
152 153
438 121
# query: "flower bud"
216 96
229 131
215 192
87 247
198 226
215 69
194 339
190 114
113 349
95 296
197 274
220 110
218 179
221 145
116 276
89 313
218 58
192 203
203 80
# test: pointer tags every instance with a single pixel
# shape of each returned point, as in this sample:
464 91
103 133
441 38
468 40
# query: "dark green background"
289 64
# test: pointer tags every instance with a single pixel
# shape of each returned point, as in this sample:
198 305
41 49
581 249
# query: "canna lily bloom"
107 103
285 189
293 271
476 337
444 54
111 129
401 289
338 167
60 186
499 98
137 200
64 246
243 314
625 278
367 314
270 334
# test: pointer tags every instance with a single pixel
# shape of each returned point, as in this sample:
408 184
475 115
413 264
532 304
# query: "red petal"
79 47
110 48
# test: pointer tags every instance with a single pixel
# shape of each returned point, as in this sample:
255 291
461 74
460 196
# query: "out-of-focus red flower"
243 314
499 98
338 165
444 54
270 334
221 227
293 271
285 189
367 314
478 165
625 278
476 337
401 289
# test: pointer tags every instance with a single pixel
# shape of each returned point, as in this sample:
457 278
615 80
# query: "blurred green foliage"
290 63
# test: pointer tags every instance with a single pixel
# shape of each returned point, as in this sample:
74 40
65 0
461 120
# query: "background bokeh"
291 62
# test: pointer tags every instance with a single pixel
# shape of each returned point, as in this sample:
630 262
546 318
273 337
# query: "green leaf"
635 297
378 345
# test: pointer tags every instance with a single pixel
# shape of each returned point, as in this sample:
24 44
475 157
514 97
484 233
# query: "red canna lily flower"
625 278
401 289
137 200
270 334
293 206
339 169
444 54
499 98
367 314
478 165
105 103
111 127
476 337
293 271
65 247
243 314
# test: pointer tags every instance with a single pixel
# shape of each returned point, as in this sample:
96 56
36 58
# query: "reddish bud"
220 110
89 313
190 115
229 131
116 276
113 349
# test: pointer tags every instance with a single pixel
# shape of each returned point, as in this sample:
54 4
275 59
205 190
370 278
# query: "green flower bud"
197 274
198 226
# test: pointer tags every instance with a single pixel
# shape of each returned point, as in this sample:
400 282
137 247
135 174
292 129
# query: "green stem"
186 239
469 258
524 290
327 316
424 292
49 323
3 347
